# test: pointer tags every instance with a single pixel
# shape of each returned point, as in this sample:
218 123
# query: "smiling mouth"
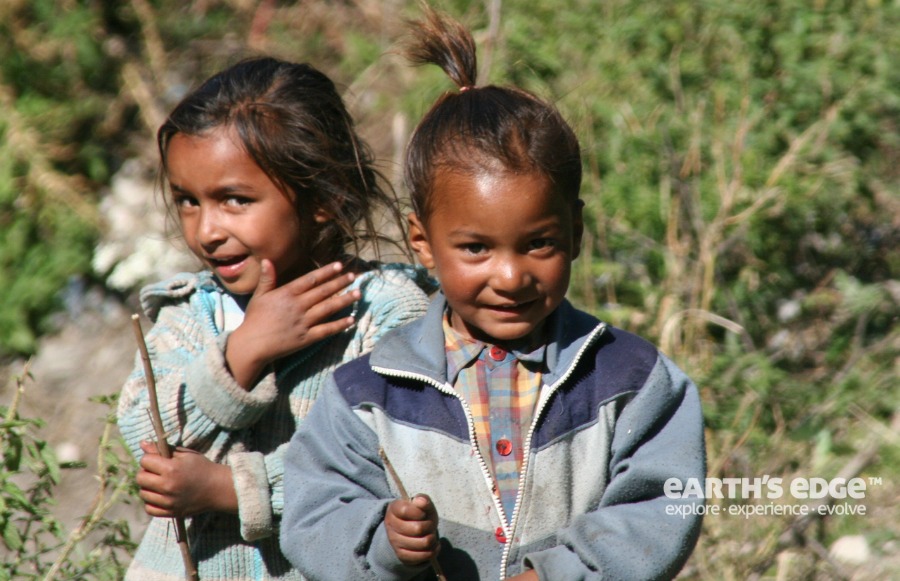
513 307
227 267
230 261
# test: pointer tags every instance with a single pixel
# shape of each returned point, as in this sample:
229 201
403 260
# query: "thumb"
149 447
424 502
267 281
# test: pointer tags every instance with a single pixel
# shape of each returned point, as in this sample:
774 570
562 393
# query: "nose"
210 231
510 275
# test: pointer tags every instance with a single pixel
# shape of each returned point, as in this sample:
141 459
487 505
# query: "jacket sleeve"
199 400
333 523
638 532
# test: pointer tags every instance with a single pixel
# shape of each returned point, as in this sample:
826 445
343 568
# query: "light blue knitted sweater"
204 409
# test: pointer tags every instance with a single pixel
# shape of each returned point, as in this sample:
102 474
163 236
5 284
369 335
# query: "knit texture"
203 408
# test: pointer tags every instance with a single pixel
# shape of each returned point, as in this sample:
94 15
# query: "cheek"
557 275
460 280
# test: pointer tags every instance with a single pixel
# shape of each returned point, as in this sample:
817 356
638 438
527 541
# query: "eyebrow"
543 229
220 191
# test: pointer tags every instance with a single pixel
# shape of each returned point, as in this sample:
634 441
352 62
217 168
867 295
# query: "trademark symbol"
874 481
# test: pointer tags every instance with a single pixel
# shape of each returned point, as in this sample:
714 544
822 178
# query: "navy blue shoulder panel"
407 401
618 363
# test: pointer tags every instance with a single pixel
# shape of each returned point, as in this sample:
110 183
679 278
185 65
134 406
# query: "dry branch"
163 445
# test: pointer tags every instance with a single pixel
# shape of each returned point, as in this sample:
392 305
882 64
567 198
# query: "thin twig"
405 496
20 390
98 509
162 445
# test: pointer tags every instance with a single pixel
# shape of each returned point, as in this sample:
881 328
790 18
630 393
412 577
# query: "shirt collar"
462 350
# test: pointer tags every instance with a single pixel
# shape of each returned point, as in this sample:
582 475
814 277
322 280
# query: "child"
541 436
270 184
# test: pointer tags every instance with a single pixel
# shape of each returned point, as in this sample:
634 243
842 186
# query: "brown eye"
184 202
542 243
237 201
474 248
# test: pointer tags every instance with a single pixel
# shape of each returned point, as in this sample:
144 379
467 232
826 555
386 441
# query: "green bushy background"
741 193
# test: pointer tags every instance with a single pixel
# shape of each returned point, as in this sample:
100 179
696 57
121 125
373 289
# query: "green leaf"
12 538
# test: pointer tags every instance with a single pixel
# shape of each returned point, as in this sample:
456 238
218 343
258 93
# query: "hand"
412 529
281 320
184 485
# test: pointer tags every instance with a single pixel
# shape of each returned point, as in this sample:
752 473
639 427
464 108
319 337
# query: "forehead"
494 194
505 208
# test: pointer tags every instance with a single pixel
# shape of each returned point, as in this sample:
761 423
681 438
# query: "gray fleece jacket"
615 419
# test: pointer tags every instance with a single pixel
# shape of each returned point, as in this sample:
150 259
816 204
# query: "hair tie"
465 88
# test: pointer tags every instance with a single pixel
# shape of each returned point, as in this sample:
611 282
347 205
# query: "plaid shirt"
501 388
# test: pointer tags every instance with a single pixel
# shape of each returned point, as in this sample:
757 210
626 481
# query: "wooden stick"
405 496
190 569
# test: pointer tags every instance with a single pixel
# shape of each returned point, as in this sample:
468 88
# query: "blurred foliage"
34 544
741 183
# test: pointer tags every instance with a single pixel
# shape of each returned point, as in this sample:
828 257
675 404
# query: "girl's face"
502 245
232 215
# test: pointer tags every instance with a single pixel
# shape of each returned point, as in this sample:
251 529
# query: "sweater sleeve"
638 532
333 525
199 401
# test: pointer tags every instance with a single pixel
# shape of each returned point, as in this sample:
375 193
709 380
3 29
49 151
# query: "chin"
238 288
507 333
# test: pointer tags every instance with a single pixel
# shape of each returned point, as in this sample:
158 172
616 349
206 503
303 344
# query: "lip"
512 309
227 267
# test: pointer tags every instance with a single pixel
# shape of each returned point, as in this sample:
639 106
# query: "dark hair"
476 128
293 123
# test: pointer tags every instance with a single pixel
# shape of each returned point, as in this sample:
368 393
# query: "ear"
577 227
418 239
321 215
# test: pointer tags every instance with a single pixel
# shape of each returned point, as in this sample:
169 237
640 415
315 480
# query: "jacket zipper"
527 452
470 422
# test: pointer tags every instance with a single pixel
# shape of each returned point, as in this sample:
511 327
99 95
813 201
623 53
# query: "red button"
500 535
504 447
497 354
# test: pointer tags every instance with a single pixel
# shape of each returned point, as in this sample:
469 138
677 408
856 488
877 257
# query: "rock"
851 550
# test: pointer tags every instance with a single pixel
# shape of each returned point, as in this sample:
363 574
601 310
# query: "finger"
411 557
325 289
148 447
423 501
319 332
158 511
419 545
152 482
154 463
267 278
424 530
329 306
406 510
181 451
157 500
314 278
147 481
